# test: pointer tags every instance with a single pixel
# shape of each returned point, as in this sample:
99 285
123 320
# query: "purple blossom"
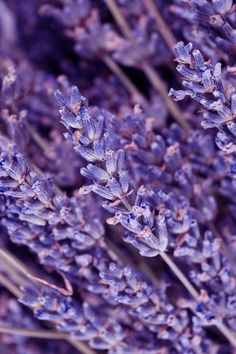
146 263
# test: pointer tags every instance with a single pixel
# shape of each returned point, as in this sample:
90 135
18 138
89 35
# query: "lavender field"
118 177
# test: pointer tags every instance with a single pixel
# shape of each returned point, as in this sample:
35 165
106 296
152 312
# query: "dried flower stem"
149 273
6 267
46 334
227 333
226 249
163 28
82 347
33 333
42 143
160 88
44 146
120 19
19 266
142 265
131 88
151 74
182 278
219 324
10 286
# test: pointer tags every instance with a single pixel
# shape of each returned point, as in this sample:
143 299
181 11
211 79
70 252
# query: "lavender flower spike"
204 83
107 172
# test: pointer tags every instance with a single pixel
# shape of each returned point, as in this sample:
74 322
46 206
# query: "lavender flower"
110 179
211 26
203 82
106 171
161 182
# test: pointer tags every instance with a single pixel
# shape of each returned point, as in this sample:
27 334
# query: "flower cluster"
175 216
145 263
204 83
82 323
216 18
110 179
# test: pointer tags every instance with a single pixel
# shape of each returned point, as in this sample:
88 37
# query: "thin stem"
219 324
82 347
159 86
15 276
179 274
42 143
46 334
149 273
18 265
13 261
131 88
44 146
227 333
120 19
124 258
12 288
33 333
225 247
151 74
163 28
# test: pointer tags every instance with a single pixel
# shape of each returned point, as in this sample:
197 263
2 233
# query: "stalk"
33 333
179 274
163 28
15 263
131 88
191 289
43 334
10 286
149 71
160 87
